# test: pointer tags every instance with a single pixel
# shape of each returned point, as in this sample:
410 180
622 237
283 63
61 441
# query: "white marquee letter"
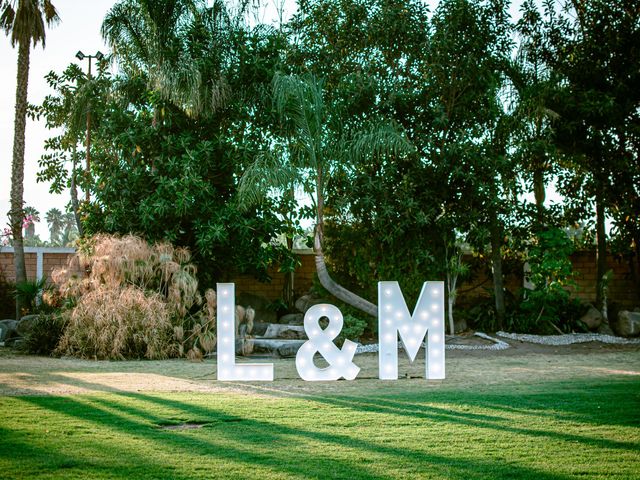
227 368
394 319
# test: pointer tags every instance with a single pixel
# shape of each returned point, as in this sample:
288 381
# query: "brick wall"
51 259
621 289
303 279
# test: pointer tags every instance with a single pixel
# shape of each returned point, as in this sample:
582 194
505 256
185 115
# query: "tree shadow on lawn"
617 405
255 438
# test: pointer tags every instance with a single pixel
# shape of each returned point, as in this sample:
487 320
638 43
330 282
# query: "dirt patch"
523 363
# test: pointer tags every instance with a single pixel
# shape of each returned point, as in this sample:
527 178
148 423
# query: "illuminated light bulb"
417 328
435 338
309 346
387 308
324 309
435 291
225 357
412 342
434 306
435 368
225 292
387 292
388 368
435 353
435 323
398 314
388 337
225 340
388 321
340 361
424 315
302 362
225 324
225 309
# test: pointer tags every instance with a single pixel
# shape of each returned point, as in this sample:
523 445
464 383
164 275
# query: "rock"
305 302
628 324
459 325
8 330
277 347
261 306
592 319
25 325
292 319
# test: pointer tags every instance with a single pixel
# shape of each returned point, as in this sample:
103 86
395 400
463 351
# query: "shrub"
119 323
44 334
125 298
7 298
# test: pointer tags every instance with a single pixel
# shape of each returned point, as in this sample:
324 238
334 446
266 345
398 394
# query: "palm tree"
315 148
70 232
24 21
31 216
55 221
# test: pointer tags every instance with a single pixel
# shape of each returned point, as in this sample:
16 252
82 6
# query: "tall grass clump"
125 298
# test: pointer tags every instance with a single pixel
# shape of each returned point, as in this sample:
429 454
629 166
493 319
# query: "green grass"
585 429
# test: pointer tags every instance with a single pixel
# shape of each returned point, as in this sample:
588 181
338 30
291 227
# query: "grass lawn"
586 428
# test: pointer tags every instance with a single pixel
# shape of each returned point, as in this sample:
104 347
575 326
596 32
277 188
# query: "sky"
79 30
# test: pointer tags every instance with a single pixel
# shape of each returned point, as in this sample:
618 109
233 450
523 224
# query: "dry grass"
129 299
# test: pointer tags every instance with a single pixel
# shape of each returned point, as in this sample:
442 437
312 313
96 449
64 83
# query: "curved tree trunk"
17 167
333 288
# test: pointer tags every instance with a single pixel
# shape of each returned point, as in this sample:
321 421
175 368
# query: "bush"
7 299
118 324
44 335
128 299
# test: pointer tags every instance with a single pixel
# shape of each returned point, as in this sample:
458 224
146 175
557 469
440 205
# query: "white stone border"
497 345
569 338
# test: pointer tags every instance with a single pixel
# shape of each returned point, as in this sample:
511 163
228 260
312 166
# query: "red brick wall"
8 271
303 279
621 289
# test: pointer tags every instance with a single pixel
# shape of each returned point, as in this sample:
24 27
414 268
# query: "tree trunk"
336 290
601 251
74 195
496 263
321 267
17 167
539 193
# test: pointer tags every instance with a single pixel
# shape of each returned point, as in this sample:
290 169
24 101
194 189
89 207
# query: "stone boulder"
7 330
592 319
261 306
627 324
459 325
292 319
307 301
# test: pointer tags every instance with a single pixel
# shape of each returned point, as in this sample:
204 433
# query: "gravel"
568 339
497 345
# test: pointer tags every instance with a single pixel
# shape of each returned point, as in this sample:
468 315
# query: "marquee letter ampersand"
340 360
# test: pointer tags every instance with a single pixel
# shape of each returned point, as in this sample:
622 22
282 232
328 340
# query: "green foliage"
353 328
28 293
7 298
551 274
44 334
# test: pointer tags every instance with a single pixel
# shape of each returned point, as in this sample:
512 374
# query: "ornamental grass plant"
125 298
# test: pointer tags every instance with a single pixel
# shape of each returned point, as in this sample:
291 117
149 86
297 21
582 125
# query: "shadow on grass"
266 442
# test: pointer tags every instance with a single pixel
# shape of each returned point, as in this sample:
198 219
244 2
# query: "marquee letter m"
427 320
